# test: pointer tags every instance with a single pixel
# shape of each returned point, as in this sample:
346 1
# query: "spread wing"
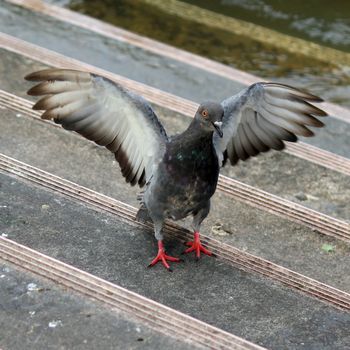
104 112
261 117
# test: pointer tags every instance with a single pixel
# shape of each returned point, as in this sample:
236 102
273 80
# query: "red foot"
196 246
161 256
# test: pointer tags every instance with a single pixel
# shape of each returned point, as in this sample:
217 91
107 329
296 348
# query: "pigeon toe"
197 247
163 258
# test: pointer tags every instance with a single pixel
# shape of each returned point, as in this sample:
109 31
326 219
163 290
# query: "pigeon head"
209 116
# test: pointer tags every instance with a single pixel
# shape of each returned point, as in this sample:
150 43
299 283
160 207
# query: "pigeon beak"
217 126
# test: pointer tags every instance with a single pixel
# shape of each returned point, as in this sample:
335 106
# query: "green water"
324 22
268 62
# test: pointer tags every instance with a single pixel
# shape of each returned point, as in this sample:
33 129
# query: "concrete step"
252 307
236 45
47 316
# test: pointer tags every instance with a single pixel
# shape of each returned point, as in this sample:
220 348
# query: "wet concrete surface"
249 306
69 156
157 71
49 317
118 57
242 45
308 21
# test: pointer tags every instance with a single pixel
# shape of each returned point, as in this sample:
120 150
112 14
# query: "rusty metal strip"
228 253
158 48
160 98
157 316
240 191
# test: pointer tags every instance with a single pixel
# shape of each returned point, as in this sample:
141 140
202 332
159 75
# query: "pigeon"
178 174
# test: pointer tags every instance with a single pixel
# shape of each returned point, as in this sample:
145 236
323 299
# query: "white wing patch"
105 113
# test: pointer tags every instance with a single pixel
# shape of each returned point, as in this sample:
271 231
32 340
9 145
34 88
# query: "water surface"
324 78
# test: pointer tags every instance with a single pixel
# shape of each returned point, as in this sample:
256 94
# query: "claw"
161 256
197 247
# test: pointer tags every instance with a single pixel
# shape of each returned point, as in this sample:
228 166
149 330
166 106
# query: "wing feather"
294 103
106 113
61 99
242 154
55 87
248 144
254 139
262 117
249 128
294 116
278 131
232 155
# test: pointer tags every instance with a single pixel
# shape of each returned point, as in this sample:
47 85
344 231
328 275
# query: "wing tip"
31 76
58 74
35 91
305 94
39 75
41 105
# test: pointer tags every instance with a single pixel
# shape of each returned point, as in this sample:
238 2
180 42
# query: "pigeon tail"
143 215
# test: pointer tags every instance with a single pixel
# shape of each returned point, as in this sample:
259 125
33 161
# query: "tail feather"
143 215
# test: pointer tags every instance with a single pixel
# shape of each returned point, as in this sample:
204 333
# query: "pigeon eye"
205 114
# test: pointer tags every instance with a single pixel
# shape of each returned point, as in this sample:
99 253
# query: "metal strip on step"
240 191
228 253
158 48
157 316
319 156
158 97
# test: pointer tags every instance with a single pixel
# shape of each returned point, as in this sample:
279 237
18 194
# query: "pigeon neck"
197 130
